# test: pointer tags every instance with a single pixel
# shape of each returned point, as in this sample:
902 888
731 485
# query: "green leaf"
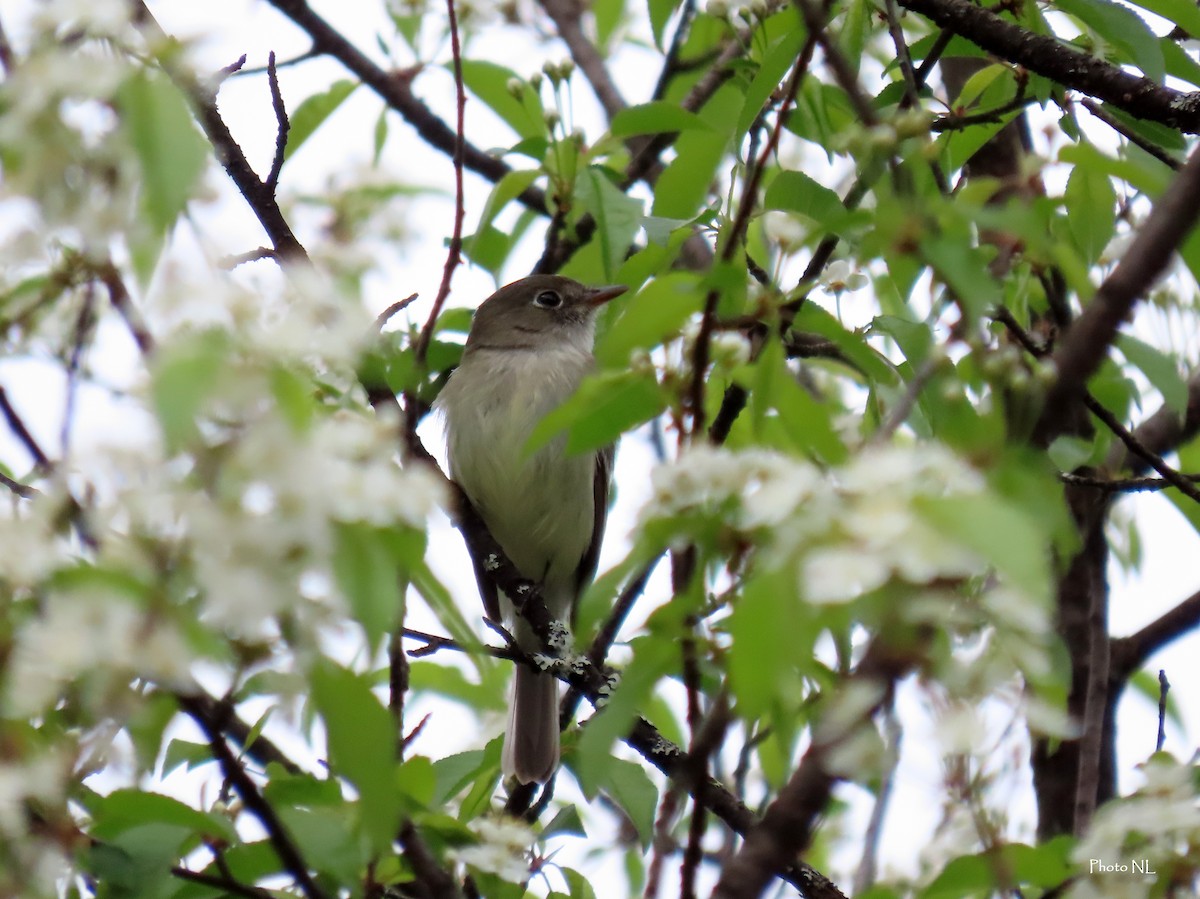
770 72
618 217
170 151
294 396
655 117
1091 205
184 376
183 752
805 421
967 875
998 532
628 785
362 747
122 810
508 188
448 614
762 662
1160 370
660 14
797 192
312 113
606 405
681 189
367 574
657 313
489 82
379 138
1122 28
609 14
1183 13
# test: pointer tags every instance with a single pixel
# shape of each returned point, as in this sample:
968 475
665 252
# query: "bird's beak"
602 295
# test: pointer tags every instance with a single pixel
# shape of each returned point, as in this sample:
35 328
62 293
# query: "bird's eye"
548 299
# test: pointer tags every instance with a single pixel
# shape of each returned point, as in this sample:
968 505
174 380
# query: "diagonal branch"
1053 59
1131 653
1086 344
566 15
397 92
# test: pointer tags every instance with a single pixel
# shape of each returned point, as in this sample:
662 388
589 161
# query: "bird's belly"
538 505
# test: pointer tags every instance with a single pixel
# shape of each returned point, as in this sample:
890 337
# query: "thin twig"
283 126
1163 687
987 117
17 426
229 263
1130 135
223 884
396 307
257 805
454 253
22 490
1120 485
733 239
118 296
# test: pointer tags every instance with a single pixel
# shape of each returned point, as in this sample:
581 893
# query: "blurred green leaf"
170 151
681 189
312 112
1160 370
655 117
124 809
362 747
657 313
605 406
618 217
184 376
489 82
1123 28
367 574
1091 205
762 663
797 192
630 787
660 14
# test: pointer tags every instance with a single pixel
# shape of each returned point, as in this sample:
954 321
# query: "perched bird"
529 348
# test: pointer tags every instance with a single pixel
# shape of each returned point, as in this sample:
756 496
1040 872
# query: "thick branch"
1086 343
1052 59
567 15
1130 653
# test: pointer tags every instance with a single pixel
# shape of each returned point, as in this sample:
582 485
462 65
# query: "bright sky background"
341 152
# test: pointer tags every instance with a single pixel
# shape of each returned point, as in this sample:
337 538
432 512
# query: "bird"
528 350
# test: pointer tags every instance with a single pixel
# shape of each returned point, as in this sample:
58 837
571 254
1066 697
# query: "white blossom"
503 848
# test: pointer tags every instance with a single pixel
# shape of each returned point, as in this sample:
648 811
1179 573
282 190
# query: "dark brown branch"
1086 343
1055 60
22 490
17 426
567 17
1132 652
988 116
435 879
118 296
396 91
283 126
1164 687
231 262
258 195
257 805
224 884
1120 485
1130 135
221 718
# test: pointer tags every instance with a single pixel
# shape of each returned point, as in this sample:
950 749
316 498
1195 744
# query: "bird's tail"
531 741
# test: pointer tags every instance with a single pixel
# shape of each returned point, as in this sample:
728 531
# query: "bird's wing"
601 481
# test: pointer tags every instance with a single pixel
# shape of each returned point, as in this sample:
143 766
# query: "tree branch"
1132 652
1049 57
1086 343
396 91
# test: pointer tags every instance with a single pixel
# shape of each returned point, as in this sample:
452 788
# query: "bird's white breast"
538 505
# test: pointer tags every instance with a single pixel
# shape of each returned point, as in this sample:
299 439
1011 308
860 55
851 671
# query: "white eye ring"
548 299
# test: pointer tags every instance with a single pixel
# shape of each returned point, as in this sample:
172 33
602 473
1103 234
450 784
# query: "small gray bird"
529 348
